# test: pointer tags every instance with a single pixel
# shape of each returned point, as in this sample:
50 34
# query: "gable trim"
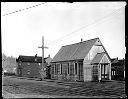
103 57
105 51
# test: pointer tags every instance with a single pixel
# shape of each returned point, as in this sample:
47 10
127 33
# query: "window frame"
76 68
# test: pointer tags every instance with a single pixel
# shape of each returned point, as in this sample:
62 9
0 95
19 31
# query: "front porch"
101 67
101 72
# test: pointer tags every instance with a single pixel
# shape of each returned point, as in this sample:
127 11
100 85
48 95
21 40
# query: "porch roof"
97 58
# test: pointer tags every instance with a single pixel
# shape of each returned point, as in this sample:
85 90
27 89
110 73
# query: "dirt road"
49 89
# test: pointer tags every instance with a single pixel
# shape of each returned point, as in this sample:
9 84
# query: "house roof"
122 61
74 51
97 58
30 59
114 60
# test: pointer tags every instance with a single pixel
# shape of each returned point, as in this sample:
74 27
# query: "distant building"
118 69
83 61
30 66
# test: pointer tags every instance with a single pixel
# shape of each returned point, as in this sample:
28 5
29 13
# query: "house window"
52 69
75 68
71 68
68 68
60 68
55 69
113 73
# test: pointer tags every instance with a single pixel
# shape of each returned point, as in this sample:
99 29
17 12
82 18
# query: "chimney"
81 40
49 55
117 58
36 55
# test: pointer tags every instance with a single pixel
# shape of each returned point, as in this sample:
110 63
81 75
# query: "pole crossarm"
43 47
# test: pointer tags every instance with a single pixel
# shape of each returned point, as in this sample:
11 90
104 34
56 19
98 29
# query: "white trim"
74 68
106 57
99 72
77 68
105 50
124 74
109 71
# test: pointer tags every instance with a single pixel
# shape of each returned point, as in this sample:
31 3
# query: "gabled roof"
114 60
34 59
120 61
97 58
74 51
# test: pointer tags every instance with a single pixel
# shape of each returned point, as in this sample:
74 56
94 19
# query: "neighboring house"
118 69
83 61
30 66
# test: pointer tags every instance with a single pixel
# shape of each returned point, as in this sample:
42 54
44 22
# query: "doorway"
104 72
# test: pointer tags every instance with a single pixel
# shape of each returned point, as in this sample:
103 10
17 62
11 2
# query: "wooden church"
83 61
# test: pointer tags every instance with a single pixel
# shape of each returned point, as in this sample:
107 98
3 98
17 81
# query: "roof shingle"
74 51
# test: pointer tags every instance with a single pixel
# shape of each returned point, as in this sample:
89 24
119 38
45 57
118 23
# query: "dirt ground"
13 87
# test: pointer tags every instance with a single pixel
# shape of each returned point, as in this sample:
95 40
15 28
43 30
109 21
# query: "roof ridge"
81 42
29 56
78 51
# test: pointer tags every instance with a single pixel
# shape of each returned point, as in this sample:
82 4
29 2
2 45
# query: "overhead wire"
23 9
76 31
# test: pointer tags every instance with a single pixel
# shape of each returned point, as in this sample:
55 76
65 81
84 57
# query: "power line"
23 9
93 23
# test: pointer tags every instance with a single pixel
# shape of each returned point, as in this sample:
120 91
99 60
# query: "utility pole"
42 70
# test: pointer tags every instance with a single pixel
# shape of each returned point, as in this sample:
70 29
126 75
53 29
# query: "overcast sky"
62 24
